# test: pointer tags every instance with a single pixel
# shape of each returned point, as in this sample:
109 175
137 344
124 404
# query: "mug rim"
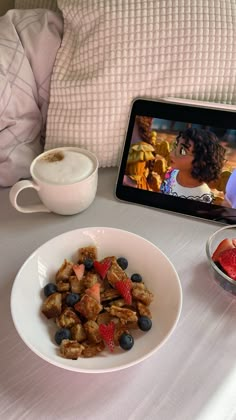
79 149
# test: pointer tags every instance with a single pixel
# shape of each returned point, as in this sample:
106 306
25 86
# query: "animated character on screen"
196 159
230 191
137 165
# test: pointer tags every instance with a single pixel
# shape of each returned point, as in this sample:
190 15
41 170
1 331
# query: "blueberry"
126 341
49 289
62 334
136 278
144 323
72 299
88 263
123 263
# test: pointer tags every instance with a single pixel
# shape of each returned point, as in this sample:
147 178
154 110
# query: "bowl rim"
214 266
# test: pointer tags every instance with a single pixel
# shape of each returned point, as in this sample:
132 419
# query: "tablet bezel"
215 115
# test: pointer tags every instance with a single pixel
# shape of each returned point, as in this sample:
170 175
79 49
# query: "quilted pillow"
114 51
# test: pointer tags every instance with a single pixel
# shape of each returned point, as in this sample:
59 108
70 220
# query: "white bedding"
29 40
115 50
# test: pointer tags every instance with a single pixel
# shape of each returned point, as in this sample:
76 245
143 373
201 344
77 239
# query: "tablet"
180 156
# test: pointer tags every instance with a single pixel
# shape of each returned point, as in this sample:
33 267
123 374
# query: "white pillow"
25 73
115 50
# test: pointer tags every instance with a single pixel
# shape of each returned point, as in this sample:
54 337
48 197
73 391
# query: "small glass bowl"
213 241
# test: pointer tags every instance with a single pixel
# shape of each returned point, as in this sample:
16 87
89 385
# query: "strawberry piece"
227 260
107 332
102 267
223 245
94 292
79 270
124 288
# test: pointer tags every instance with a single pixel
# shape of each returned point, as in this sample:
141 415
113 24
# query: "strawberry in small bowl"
221 254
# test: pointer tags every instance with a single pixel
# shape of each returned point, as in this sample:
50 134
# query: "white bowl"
145 258
228 284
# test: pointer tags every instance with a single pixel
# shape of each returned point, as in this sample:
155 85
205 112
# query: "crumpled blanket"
29 41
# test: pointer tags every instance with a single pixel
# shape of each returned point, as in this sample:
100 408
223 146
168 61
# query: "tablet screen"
180 158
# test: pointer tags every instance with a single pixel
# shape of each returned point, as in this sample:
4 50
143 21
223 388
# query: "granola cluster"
90 297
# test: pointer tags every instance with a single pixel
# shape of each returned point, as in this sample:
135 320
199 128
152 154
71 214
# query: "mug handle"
13 195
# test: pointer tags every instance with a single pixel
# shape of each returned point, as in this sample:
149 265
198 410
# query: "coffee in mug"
65 179
63 167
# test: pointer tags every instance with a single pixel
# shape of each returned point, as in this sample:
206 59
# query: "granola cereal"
95 305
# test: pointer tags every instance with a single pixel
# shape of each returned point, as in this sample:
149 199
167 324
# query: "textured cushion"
115 50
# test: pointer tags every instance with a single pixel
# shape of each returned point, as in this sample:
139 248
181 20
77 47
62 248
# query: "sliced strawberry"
79 270
94 292
102 267
107 333
223 245
227 260
124 288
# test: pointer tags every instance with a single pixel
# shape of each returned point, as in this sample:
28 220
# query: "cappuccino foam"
63 167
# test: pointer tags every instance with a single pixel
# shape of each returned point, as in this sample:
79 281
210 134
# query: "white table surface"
193 376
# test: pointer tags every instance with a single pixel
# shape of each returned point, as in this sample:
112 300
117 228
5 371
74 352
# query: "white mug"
65 179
